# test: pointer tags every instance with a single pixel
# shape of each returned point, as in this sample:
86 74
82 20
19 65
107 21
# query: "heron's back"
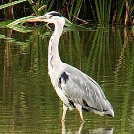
82 89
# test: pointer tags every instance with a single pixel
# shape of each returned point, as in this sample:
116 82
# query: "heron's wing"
82 89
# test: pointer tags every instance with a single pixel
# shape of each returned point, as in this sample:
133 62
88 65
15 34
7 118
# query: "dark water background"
28 103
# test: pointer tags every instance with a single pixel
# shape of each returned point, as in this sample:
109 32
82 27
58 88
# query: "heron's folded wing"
82 89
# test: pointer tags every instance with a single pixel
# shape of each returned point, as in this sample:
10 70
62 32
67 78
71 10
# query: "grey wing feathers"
82 89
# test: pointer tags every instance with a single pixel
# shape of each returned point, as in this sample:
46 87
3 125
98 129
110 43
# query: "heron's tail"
109 109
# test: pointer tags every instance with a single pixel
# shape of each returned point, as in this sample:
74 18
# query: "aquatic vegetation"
78 11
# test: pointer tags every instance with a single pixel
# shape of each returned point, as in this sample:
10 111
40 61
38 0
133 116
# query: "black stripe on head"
54 13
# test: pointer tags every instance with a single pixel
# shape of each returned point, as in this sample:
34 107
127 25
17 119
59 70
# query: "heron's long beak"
37 19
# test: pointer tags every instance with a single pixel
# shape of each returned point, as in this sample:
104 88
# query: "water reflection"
88 131
69 132
28 103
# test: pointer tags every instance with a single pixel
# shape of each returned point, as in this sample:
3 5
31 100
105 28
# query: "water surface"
28 102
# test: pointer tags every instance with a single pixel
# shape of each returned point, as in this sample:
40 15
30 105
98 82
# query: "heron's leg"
81 116
80 128
64 112
63 127
79 108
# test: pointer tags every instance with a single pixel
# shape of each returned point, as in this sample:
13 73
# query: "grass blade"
11 4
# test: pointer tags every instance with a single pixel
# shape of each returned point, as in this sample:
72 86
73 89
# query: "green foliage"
18 25
77 8
100 11
103 10
11 4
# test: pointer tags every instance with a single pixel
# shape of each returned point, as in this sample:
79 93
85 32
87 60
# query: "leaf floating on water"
2 36
18 25
21 29
3 24
20 43
8 39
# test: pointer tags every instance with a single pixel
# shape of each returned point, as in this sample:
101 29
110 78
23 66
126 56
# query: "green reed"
100 11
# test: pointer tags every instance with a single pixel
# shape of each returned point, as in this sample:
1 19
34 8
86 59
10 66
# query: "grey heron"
76 89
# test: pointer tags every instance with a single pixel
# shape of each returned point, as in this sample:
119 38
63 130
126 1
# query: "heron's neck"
53 49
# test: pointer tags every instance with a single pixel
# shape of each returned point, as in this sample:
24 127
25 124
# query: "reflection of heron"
101 131
70 132
75 89
87 131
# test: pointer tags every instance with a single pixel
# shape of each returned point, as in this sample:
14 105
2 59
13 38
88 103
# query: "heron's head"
51 17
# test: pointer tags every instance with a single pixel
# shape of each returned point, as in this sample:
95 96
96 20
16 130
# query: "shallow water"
28 102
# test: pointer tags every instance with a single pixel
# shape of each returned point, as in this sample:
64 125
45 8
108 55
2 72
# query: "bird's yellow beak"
37 19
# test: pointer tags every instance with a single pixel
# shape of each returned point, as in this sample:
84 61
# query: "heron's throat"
53 49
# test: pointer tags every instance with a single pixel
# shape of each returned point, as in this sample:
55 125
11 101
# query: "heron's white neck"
53 49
